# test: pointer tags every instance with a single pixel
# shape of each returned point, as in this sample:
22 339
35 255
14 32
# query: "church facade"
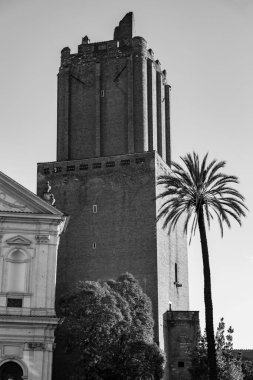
29 237
113 140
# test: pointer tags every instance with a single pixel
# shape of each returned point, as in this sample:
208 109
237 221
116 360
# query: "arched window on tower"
17 272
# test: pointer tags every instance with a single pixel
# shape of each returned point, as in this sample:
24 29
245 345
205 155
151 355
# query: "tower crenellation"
95 51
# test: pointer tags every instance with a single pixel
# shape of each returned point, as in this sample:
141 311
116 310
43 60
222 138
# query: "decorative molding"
37 346
18 240
12 350
42 239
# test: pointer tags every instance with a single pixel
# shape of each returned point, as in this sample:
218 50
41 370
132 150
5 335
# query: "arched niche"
17 271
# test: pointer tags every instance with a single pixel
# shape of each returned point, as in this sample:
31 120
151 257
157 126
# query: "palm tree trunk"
208 299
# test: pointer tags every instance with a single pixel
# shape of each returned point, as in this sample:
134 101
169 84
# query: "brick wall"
122 228
112 227
114 106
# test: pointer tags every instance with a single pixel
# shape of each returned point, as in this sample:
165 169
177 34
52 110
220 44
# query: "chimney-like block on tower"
125 28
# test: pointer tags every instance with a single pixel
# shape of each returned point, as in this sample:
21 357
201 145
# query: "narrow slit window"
176 274
94 245
102 93
95 209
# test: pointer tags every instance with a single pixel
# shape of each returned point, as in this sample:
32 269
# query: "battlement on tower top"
123 45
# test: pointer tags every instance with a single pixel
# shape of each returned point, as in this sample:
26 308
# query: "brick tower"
113 139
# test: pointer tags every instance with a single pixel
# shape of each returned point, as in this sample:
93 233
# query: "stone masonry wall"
182 330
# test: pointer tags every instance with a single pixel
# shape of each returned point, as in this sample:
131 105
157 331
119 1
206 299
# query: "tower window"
176 283
70 168
140 160
125 162
110 164
176 274
83 167
95 209
57 169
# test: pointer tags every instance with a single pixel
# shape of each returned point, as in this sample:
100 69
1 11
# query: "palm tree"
198 193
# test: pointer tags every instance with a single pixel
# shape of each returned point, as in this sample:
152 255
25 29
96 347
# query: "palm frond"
198 184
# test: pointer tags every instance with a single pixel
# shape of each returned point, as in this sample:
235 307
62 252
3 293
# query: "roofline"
29 195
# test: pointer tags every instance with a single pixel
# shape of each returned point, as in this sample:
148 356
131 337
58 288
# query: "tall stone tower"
113 139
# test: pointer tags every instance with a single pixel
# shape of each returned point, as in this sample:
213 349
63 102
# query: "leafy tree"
198 192
108 330
229 367
247 369
139 304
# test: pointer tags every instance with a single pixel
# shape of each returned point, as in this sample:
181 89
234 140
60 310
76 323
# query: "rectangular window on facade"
102 93
14 302
95 209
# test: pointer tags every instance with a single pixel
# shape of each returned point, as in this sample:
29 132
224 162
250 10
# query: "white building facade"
29 235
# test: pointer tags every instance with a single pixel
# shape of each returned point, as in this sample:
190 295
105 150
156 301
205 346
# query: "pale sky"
206 48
